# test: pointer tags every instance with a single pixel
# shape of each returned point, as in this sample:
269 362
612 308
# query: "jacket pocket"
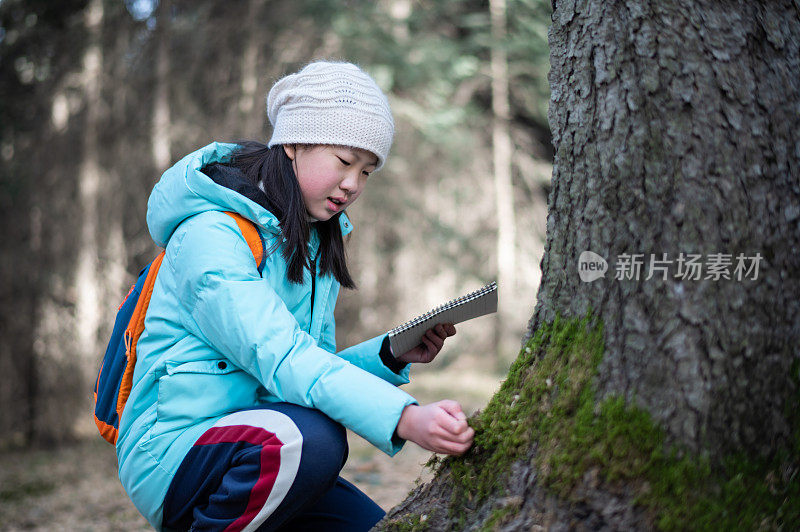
201 389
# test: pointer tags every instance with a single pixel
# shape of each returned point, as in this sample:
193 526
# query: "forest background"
99 97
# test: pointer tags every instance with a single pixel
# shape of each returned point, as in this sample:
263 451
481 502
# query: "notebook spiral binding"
424 318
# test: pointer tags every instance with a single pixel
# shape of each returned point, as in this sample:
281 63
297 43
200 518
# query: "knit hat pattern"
331 103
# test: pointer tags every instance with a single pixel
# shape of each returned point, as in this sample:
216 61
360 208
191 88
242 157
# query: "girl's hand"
431 344
439 427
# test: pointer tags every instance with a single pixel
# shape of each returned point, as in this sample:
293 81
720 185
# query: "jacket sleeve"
373 356
230 307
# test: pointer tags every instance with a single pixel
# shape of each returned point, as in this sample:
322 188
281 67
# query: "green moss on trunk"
407 523
548 400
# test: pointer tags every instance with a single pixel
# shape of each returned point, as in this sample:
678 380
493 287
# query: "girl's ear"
290 150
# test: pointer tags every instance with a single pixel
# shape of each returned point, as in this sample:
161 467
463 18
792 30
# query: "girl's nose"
350 183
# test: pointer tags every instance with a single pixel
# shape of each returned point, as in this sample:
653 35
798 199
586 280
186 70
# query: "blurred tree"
40 42
91 182
659 395
160 137
503 187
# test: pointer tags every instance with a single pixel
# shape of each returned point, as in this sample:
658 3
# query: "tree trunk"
161 137
251 93
86 284
503 186
673 403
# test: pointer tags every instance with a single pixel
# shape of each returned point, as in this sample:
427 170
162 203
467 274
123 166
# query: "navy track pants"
272 468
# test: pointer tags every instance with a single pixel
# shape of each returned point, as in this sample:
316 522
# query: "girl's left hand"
431 344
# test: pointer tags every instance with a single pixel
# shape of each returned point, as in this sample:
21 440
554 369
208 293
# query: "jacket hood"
184 191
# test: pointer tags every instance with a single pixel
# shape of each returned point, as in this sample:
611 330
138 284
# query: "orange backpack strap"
136 325
252 236
115 378
134 330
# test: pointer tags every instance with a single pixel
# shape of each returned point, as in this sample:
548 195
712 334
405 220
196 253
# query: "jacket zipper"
313 288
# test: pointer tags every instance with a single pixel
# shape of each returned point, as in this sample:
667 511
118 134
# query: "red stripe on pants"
270 464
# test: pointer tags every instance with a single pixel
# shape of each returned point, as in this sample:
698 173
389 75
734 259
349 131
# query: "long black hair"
270 169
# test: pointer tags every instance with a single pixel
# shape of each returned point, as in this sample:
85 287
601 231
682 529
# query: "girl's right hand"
440 427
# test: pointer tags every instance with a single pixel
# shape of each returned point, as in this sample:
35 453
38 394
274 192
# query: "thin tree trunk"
250 106
87 281
504 191
161 138
118 184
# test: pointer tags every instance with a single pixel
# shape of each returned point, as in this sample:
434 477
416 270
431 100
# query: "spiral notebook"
473 305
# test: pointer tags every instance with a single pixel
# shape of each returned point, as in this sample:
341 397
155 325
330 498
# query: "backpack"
115 378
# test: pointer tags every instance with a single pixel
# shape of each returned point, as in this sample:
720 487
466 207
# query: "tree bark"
676 130
681 138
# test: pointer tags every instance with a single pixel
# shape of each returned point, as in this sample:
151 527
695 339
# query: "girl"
239 402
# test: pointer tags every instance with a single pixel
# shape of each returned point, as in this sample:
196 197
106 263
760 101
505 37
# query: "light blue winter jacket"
220 337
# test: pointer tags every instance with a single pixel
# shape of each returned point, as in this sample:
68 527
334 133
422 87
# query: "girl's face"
331 177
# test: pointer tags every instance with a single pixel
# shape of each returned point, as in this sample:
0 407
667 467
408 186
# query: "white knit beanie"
331 103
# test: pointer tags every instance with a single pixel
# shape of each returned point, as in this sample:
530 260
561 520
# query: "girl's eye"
366 174
343 161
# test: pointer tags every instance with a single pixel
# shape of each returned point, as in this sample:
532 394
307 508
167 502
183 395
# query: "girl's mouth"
336 204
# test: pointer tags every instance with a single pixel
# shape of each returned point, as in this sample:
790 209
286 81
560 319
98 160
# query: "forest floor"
75 487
